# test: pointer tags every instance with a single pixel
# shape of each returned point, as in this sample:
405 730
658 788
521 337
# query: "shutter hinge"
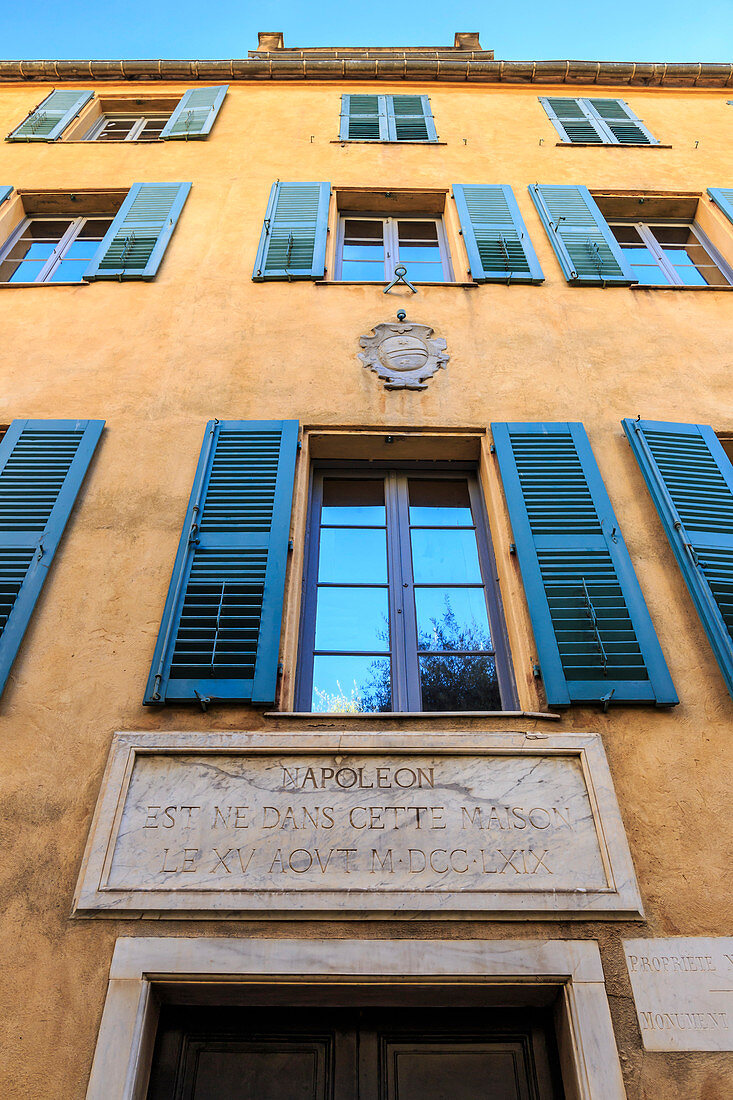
280 668
291 544
193 535
512 547
204 700
606 699
300 444
536 671
492 449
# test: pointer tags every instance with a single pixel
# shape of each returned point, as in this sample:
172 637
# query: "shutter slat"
293 240
220 632
134 245
595 640
195 114
596 121
496 238
49 458
363 118
50 118
675 459
410 118
583 242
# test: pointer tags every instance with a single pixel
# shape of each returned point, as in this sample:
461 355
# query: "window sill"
347 282
93 141
16 286
608 145
423 715
379 141
668 286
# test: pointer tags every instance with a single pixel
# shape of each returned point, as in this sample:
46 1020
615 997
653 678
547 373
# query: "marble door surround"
146 972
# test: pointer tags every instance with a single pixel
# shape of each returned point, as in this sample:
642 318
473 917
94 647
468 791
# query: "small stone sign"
310 824
683 990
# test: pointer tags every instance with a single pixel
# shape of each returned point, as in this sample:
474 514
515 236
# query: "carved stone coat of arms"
403 354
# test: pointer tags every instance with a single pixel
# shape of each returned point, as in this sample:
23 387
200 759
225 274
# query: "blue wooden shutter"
409 118
691 483
138 237
194 116
572 120
584 244
619 123
363 118
723 197
220 633
293 239
42 466
595 640
50 118
5 190
596 121
496 238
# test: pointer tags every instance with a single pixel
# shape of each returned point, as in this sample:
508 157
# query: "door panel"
278 1070
454 1071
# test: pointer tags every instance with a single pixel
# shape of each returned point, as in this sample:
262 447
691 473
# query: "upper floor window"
113 127
401 610
596 121
402 118
667 253
370 248
51 250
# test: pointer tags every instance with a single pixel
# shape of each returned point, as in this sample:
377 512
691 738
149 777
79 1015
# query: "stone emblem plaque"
403 354
314 824
683 991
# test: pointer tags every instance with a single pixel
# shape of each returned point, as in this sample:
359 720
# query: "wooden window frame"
391 245
646 232
71 234
406 694
94 133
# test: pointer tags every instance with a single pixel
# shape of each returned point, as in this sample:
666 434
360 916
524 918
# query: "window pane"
116 129
354 619
81 249
46 230
452 618
94 228
353 555
68 271
459 683
349 685
357 271
353 502
152 129
356 229
444 557
439 503
422 232
25 272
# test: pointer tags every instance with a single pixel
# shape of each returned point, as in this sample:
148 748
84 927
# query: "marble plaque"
683 991
306 824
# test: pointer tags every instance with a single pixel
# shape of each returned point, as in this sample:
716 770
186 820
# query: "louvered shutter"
723 197
595 640
293 239
138 237
363 118
496 238
42 466
691 483
51 117
620 123
194 116
220 633
5 191
409 118
583 242
572 120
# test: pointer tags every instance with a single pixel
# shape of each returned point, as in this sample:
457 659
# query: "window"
113 127
386 118
52 250
671 254
401 612
596 121
370 248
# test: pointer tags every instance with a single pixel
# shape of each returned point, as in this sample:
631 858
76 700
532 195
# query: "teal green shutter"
50 118
42 466
594 636
572 120
496 238
691 483
723 197
220 633
619 122
363 118
194 116
588 252
5 191
409 118
293 239
138 237
596 121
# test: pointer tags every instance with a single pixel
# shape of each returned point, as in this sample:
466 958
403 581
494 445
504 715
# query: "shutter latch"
204 700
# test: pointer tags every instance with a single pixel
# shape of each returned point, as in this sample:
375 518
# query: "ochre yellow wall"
157 360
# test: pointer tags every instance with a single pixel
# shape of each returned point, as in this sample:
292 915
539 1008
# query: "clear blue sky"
638 30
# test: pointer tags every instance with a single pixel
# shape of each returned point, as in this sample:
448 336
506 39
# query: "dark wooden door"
353 1054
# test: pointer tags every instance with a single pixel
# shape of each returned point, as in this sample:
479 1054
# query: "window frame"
597 121
404 657
391 245
71 234
646 233
139 123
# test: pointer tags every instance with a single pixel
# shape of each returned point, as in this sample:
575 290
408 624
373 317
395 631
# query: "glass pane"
625 234
353 555
26 272
425 273
425 253
373 253
444 557
353 502
352 619
357 271
459 683
423 232
356 229
452 618
152 129
46 230
691 276
94 228
116 129
81 249
439 503
68 271
639 254
351 685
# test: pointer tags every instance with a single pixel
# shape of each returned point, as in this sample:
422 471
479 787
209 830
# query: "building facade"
366 534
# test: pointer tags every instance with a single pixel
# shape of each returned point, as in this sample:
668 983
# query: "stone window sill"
15 286
378 141
608 145
667 286
347 282
436 716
